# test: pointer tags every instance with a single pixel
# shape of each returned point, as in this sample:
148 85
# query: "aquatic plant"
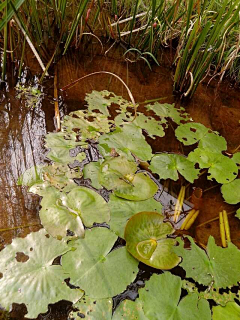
87 205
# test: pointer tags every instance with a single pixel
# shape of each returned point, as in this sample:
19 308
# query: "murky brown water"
22 131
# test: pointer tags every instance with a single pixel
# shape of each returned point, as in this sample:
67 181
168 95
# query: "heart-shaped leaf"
146 239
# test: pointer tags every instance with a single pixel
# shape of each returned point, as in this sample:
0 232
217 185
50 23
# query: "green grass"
203 36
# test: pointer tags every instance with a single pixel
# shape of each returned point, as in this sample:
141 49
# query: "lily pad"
121 210
221 168
60 222
92 309
166 110
118 174
88 204
91 171
210 266
35 282
161 300
230 311
150 125
231 192
99 273
146 239
129 310
126 141
167 166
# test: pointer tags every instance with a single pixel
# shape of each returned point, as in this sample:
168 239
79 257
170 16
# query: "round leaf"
190 133
145 236
99 273
91 207
231 192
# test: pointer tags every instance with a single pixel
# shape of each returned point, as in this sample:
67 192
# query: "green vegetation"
203 36
82 227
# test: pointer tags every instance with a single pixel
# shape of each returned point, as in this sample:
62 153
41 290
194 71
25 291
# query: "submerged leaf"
126 140
35 282
121 210
118 174
93 309
220 266
231 192
221 168
99 273
88 204
168 165
146 239
160 300
230 312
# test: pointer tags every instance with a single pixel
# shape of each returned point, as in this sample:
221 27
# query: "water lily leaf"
92 309
49 193
31 176
236 158
213 142
118 174
231 192
221 168
94 269
126 141
96 101
90 206
61 176
230 311
121 210
60 222
146 239
166 110
34 280
160 299
167 166
129 310
88 125
210 266
91 171
150 125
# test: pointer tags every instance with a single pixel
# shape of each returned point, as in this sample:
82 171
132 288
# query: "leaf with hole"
150 125
168 165
96 270
34 281
121 210
220 266
126 141
221 168
146 239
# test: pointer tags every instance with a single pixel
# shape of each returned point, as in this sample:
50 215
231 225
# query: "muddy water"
22 131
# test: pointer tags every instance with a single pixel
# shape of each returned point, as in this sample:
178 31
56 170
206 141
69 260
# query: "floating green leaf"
160 299
60 222
118 174
236 158
90 171
49 193
231 192
230 312
88 204
31 176
99 273
126 141
146 239
167 166
166 110
190 133
221 168
129 310
150 125
35 282
96 101
92 309
121 210
220 266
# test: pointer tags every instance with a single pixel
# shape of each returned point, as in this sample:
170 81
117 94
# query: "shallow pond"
21 145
